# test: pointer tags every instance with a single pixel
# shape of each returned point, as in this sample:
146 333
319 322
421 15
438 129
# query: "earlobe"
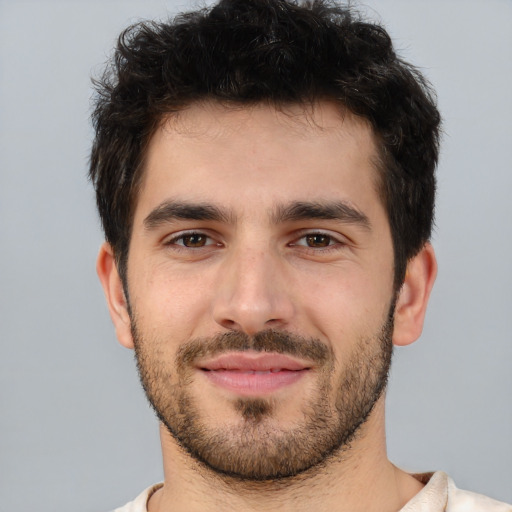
413 297
114 293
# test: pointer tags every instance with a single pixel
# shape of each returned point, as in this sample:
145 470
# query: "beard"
256 447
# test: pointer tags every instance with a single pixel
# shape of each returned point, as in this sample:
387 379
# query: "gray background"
75 431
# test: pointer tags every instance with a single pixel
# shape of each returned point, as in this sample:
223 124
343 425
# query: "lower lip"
252 383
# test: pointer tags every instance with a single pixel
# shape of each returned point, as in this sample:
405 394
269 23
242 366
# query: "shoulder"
467 501
441 495
139 504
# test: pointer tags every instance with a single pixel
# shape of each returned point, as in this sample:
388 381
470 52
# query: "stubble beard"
256 448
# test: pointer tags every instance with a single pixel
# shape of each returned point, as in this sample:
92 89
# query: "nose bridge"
250 297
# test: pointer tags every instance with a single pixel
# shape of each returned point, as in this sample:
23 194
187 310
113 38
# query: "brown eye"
194 240
318 240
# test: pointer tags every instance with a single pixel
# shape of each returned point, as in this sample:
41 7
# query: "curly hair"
277 51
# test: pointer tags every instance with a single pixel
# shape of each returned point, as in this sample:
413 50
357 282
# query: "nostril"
229 324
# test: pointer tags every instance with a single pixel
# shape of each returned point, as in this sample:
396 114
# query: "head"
275 52
265 176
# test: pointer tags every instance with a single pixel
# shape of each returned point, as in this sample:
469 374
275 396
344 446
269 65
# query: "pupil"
318 240
194 240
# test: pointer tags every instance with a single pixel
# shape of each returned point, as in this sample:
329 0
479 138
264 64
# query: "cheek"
344 304
169 303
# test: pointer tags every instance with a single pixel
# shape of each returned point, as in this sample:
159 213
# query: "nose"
251 293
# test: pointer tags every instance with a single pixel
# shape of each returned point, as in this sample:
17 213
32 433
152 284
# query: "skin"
254 271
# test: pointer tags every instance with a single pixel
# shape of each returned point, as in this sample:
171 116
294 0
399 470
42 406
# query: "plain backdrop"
75 430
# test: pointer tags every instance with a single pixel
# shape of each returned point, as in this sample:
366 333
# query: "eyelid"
337 238
171 240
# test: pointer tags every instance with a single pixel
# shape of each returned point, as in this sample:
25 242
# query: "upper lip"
253 361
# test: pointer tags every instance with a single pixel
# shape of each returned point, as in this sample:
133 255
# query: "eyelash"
181 237
334 243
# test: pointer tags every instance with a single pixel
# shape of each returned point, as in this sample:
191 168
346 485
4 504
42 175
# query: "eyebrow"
170 210
331 210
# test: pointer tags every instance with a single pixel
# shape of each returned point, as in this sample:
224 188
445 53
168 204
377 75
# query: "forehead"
245 155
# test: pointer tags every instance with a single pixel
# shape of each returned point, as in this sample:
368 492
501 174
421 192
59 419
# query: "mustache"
270 340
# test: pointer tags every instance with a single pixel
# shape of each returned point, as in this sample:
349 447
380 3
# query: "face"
260 284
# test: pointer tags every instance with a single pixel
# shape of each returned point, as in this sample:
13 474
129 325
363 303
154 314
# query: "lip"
253 373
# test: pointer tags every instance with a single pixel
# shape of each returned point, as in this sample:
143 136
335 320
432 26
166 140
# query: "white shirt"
438 495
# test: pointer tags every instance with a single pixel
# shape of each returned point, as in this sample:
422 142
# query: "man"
265 179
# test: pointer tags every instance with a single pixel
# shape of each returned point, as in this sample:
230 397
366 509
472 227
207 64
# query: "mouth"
253 373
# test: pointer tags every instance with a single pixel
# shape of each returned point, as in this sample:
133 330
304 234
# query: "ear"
114 293
413 296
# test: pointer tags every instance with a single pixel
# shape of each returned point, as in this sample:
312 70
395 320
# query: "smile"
253 373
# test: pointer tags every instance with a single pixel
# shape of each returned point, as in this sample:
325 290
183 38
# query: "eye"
194 240
316 241
191 240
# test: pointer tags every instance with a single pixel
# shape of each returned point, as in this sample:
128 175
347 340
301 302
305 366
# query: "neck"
361 478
